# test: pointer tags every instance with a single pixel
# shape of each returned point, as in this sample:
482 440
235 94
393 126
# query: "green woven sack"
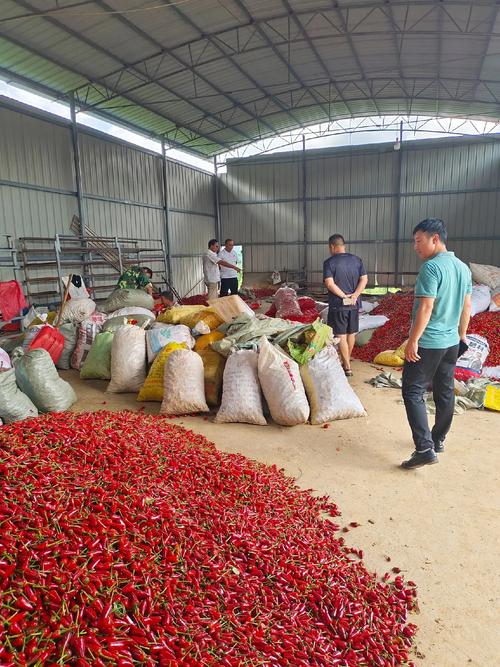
97 365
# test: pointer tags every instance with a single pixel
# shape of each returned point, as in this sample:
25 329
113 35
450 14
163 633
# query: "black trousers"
436 367
228 284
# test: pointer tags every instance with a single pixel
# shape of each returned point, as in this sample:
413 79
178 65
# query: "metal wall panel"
355 192
112 219
35 151
187 275
119 171
189 189
189 234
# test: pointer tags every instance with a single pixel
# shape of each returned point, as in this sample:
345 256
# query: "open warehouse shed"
131 133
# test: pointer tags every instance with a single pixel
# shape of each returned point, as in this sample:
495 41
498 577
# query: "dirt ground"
438 524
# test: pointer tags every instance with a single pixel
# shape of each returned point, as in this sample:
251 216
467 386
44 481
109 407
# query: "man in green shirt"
136 277
439 323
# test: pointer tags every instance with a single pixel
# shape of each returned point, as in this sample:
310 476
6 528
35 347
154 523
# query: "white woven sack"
281 383
128 360
480 299
485 274
241 394
330 394
78 310
132 310
158 337
183 384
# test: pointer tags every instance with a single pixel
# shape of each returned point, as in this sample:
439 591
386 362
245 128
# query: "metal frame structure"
212 80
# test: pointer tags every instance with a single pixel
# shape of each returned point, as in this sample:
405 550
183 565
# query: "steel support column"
304 205
166 210
397 230
217 202
76 161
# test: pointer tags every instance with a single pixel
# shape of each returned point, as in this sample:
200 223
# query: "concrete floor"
438 524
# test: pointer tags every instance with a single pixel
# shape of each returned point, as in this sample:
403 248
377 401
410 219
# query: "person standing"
211 271
345 279
228 276
440 318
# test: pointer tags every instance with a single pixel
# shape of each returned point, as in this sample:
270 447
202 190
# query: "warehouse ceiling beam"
110 55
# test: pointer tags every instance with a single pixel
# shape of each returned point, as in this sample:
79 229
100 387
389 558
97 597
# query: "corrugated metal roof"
210 76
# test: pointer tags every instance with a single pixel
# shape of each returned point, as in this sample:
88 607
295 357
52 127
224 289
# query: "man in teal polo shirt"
439 323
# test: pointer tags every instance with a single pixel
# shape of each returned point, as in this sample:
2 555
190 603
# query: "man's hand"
411 351
237 269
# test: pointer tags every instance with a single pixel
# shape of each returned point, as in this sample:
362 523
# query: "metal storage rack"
99 259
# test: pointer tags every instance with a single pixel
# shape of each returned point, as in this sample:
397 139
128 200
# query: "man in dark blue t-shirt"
345 278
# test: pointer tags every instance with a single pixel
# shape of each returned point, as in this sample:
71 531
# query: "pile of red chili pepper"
195 300
398 308
307 306
126 540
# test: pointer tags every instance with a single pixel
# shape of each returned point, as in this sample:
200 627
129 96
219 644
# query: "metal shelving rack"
99 259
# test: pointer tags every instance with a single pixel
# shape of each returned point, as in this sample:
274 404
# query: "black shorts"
343 321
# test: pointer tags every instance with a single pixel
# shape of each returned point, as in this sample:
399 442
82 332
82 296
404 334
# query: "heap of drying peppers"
398 308
126 540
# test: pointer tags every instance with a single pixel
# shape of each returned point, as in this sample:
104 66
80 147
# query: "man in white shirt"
211 272
228 277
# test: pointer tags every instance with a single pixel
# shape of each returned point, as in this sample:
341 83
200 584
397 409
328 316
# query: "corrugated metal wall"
122 188
355 192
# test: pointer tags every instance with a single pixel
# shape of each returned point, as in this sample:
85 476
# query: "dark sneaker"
439 447
419 459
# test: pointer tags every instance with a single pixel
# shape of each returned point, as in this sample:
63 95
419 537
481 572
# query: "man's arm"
423 315
222 262
334 289
362 283
464 317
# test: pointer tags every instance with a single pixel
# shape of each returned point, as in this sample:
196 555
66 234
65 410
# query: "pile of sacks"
177 359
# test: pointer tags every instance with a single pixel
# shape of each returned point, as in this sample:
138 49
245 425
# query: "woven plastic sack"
70 333
86 333
485 274
177 313
159 337
77 310
287 303
330 395
473 359
184 384
152 389
213 365
128 360
37 377
114 323
132 310
4 360
389 358
14 405
97 364
207 339
316 340
282 385
401 351
208 317
230 307
241 394
480 299
124 298
364 337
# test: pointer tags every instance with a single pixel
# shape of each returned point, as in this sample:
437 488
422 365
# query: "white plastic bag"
241 394
183 384
128 360
133 310
473 359
14 404
480 299
158 337
330 394
4 360
281 383
485 274
77 310
371 321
